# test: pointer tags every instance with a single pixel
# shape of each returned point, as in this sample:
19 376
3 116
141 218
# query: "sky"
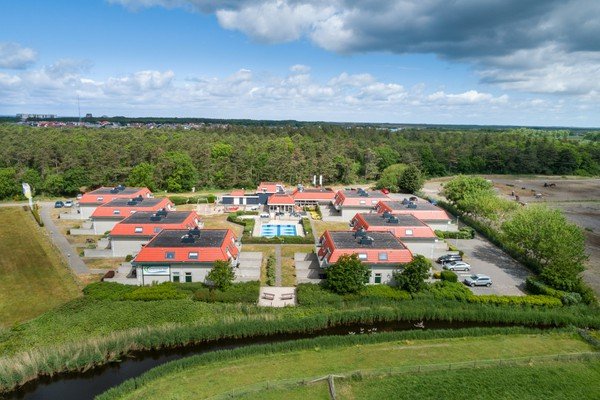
496 62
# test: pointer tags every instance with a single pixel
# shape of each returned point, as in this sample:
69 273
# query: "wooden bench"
268 296
287 296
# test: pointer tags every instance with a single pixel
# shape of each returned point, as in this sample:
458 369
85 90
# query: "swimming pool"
270 230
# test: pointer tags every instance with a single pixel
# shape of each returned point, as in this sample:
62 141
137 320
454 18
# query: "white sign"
155 270
26 190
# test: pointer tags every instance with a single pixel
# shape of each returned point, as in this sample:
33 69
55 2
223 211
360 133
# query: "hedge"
448 276
180 200
270 272
466 232
537 287
530 300
242 292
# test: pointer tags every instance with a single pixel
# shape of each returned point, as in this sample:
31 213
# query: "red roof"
424 211
389 251
206 252
313 194
103 195
409 229
352 198
269 187
118 208
280 200
131 227
238 192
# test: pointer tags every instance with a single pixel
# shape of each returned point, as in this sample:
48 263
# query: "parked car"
69 203
457 266
79 196
253 208
59 204
433 201
449 258
478 280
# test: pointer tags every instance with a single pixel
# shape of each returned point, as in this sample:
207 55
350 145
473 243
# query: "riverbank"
257 370
87 333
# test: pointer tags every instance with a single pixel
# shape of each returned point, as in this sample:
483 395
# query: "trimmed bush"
310 294
466 232
107 290
128 257
271 270
532 300
384 292
243 292
436 275
449 276
448 290
163 291
179 200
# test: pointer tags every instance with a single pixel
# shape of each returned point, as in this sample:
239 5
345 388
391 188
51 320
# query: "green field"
252 372
34 277
545 380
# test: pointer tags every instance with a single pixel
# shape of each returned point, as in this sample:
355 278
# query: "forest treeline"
60 161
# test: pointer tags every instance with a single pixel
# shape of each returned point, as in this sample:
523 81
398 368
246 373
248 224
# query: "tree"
554 244
75 179
411 180
221 275
176 172
464 186
54 184
142 175
8 183
347 275
390 176
412 277
34 179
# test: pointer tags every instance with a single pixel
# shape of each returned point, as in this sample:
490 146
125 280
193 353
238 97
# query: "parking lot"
508 276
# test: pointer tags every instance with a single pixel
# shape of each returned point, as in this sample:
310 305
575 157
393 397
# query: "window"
409 232
373 201
193 255
188 277
377 278
139 229
362 256
383 256
176 277
170 255
117 212
100 198
363 202
157 229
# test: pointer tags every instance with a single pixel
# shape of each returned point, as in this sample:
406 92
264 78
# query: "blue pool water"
270 230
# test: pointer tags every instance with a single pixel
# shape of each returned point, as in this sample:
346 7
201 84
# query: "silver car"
478 280
457 266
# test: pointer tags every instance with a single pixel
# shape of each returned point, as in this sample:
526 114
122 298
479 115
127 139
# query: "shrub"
454 248
179 200
449 290
128 258
531 300
436 275
242 292
466 232
107 290
384 292
537 287
163 291
310 294
271 271
35 211
449 276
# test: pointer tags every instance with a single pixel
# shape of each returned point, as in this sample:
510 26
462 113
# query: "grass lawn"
546 380
200 381
322 226
34 277
219 221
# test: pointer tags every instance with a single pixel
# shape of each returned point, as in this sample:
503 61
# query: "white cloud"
14 56
468 97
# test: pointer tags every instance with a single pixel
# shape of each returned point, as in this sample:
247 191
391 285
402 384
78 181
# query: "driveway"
508 276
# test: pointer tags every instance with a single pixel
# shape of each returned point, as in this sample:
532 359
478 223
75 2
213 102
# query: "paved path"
277 265
277 296
69 252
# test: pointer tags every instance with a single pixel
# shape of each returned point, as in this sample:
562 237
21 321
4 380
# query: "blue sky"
485 62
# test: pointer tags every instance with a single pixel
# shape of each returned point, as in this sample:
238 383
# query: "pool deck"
260 222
